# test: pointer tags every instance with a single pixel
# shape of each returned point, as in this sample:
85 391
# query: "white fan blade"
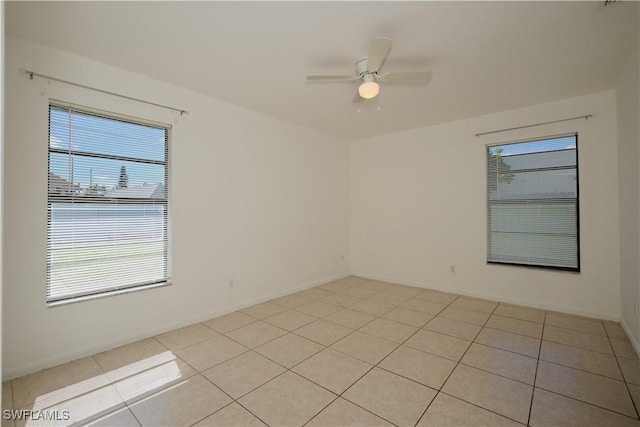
357 98
329 77
409 77
380 47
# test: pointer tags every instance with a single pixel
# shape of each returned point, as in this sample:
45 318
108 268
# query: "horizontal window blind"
107 204
532 200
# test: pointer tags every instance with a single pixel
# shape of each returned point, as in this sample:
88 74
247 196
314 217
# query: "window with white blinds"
107 216
532 202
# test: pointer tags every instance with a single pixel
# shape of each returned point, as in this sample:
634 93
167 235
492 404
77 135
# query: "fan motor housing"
361 67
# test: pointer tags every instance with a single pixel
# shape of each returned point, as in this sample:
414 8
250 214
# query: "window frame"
524 264
73 198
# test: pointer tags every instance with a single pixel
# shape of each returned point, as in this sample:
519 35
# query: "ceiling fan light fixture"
369 89
368 72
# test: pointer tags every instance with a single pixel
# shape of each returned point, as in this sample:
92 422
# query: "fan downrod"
361 67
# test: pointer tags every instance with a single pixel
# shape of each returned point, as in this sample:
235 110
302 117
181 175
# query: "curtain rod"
586 117
33 74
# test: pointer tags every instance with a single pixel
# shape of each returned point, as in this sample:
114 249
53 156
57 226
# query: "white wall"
628 112
275 206
1 160
418 207
254 199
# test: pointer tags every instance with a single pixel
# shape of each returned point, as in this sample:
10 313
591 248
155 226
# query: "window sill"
112 293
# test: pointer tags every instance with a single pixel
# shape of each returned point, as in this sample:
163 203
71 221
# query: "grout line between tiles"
578 330
355 404
233 400
214 412
133 401
287 369
457 362
92 417
582 370
377 365
339 395
514 333
580 348
320 411
493 373
535 376
385 357
505 349
585 402
133 414
397 345
465 352
307 379
481 407
626 383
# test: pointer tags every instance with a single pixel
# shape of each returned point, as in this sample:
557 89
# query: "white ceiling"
485 56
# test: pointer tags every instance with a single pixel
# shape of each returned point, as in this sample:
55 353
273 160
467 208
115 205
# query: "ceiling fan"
368 72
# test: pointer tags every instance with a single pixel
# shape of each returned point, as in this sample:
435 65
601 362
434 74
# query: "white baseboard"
76 354
500 298
249 303
136 336
632 339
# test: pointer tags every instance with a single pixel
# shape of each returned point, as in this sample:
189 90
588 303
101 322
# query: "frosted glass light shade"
369 89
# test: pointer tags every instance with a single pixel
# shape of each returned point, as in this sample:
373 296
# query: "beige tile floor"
353 352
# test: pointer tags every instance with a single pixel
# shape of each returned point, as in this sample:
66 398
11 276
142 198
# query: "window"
107 205
532 202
